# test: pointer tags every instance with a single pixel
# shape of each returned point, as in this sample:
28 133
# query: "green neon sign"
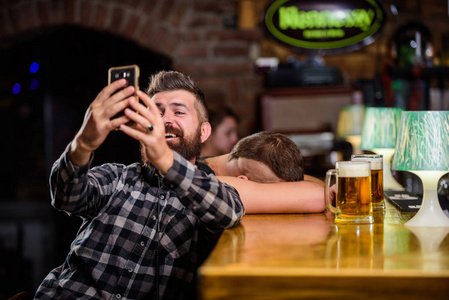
333 26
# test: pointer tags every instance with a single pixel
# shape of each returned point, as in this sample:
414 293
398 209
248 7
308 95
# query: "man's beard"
189 148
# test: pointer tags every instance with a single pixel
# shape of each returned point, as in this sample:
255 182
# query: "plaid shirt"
118 247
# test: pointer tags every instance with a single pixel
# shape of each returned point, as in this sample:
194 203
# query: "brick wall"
192 33
199 37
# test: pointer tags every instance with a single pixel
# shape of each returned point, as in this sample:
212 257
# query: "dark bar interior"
54 60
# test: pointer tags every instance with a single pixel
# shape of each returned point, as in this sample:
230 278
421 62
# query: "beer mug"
353 192
377 177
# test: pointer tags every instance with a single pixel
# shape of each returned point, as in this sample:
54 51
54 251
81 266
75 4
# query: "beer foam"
376 162
353 169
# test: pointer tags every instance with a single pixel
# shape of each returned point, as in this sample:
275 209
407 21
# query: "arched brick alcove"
191 33
194 34
144 22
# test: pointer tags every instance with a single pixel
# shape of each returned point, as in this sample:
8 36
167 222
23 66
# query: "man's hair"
172 80
275 150
218 112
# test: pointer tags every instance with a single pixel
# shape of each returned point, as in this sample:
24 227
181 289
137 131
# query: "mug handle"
327 198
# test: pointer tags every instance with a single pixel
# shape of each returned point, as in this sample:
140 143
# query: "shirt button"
162 197
154 218
118 296
130 270
142 243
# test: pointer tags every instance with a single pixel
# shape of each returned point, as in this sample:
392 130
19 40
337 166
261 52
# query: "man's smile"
173 133
170 136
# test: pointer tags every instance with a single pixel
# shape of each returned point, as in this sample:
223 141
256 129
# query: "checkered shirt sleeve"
137 238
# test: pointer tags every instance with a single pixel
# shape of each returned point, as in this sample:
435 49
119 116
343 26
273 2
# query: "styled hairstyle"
275 150
218 112
172 80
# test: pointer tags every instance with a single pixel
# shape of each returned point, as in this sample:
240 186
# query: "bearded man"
146 226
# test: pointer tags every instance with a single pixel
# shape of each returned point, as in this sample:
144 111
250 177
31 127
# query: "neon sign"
325 26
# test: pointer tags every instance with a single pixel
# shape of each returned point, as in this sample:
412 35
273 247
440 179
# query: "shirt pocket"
179 232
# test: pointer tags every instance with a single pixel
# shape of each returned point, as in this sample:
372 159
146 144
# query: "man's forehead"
256 170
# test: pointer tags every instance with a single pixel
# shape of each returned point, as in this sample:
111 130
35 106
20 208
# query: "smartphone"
131 73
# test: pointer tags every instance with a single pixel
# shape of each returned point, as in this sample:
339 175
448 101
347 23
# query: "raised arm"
305 196
99 122
72 189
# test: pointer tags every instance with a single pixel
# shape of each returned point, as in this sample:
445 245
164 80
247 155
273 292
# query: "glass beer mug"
377 177
353 192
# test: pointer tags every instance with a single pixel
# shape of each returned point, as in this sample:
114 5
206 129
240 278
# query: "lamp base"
430 214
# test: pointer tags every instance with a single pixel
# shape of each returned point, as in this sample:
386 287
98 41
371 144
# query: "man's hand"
98 120
156 147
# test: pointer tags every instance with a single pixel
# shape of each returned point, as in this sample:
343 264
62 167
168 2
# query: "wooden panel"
303 110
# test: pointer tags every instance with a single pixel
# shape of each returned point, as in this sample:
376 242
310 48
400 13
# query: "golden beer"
354 196
377 188
377 178
353 192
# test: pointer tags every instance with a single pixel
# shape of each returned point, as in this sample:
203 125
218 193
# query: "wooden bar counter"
308 256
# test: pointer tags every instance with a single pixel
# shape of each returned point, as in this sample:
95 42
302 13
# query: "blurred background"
54 58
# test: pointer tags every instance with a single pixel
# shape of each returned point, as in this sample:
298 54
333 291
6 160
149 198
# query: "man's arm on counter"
306 196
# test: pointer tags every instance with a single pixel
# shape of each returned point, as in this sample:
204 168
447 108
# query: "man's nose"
167 118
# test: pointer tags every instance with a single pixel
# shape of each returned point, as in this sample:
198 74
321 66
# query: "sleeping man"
267 170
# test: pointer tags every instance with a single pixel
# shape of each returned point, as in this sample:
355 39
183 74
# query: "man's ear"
206 130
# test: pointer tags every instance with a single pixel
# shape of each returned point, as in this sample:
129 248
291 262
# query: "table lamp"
422 148
349 127
379 133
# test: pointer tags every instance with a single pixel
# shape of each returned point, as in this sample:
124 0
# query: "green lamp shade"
380 127
423 141
350 120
